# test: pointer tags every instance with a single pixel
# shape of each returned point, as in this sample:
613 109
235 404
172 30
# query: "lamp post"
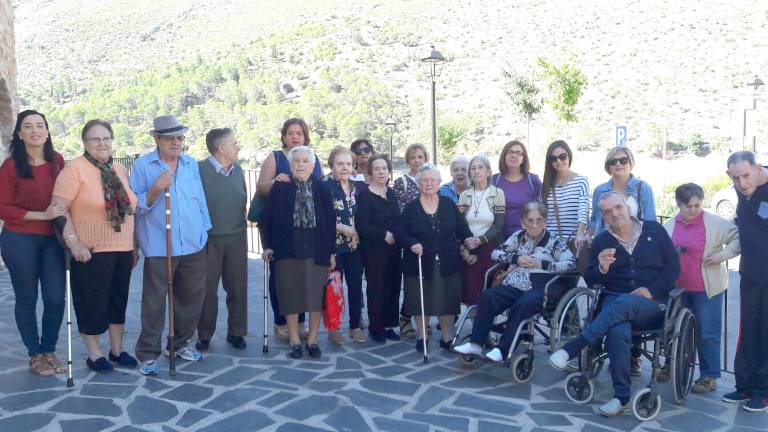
756 84
391 124
434 64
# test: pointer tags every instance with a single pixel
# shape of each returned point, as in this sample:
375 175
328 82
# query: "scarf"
116 200
304 206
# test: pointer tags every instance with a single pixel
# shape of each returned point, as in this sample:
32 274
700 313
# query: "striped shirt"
573 203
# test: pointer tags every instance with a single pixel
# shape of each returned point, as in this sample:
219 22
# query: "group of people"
435 242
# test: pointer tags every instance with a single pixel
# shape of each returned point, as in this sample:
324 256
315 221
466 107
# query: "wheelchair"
675 341
564 315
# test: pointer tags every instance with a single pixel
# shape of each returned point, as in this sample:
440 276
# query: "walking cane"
59 224
423 318
265 344
169 271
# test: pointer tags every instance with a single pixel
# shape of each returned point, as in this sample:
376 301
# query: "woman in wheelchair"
535 256
637 266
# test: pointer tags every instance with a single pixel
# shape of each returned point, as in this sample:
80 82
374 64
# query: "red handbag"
333 308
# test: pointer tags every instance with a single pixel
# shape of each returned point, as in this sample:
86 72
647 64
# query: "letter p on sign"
621 136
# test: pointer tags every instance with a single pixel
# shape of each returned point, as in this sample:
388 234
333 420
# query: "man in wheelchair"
535 256
637 266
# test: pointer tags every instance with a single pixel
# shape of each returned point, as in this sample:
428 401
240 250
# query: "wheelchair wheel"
579 389
683 352
467 360
569 318
644 405
522 368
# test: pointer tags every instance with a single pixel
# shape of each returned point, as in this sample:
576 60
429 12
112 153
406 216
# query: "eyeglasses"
97 140
622 160
515 153
362 150
562 156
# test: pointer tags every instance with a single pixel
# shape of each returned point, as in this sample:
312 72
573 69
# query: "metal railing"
254 241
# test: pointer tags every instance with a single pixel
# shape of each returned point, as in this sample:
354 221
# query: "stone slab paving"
356 388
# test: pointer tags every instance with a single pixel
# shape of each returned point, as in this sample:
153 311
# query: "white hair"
301 149
428 167
460 159
486 162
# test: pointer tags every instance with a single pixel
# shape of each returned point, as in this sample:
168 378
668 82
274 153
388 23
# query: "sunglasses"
622 160
362 150
562 157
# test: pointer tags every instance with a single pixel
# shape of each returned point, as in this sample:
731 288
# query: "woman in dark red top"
28 243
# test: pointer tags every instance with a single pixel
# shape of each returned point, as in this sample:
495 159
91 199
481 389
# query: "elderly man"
227 248
750 180
637 264
460 182
167 169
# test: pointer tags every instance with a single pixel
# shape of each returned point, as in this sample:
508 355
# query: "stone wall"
8 102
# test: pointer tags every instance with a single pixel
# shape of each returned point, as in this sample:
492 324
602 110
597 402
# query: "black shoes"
313 350
99 365
236 341
446 345
295 351
202 344
420 345
378 337
124 359
390 334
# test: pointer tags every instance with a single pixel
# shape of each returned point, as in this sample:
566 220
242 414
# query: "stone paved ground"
357 387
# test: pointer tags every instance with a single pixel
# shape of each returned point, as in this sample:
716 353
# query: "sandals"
406 328
55 364
40 366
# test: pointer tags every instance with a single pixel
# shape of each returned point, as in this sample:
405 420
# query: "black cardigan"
276 221
416 227
375 216
653 264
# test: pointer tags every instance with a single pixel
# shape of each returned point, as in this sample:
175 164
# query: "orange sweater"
80 183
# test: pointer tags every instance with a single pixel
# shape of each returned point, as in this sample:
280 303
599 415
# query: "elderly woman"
459 182
27 241
704 241
298 232
483 208
99 232
565 194
432 228
405 187
618 164
276 169
517 183
378 219
535 255
363 150
344 193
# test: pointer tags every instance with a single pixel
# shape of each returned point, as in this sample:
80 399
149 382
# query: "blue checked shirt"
190 220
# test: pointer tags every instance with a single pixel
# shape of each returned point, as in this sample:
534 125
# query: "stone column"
8 101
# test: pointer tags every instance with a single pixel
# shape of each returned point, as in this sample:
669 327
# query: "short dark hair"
295 121
525 166
379 156
356 143
742 156
686 191
96 122
214 136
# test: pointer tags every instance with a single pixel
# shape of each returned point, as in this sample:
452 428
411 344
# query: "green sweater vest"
226 197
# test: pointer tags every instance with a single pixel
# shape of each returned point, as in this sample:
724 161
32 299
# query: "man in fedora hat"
166 168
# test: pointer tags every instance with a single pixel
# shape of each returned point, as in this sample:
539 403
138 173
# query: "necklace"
476 203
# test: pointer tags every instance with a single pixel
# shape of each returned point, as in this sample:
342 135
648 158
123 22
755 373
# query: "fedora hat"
168 125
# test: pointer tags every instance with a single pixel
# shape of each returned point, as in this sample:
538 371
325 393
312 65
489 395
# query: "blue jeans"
618 315
33 259
709 321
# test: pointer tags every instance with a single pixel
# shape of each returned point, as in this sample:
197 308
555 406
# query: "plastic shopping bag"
334 301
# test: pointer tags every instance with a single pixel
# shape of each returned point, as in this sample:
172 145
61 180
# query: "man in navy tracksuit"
750 180
637 265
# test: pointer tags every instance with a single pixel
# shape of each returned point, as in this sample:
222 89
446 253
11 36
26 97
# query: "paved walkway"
357 387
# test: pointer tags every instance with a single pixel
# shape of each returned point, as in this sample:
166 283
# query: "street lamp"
755 84
434 64
391 124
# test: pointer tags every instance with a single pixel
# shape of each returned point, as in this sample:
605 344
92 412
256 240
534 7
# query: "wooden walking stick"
423 317
169 270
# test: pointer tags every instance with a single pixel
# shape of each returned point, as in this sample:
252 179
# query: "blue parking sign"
621 136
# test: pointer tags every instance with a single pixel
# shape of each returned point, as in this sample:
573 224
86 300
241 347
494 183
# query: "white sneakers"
186 353
559 359
613 408
469 348
495 355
